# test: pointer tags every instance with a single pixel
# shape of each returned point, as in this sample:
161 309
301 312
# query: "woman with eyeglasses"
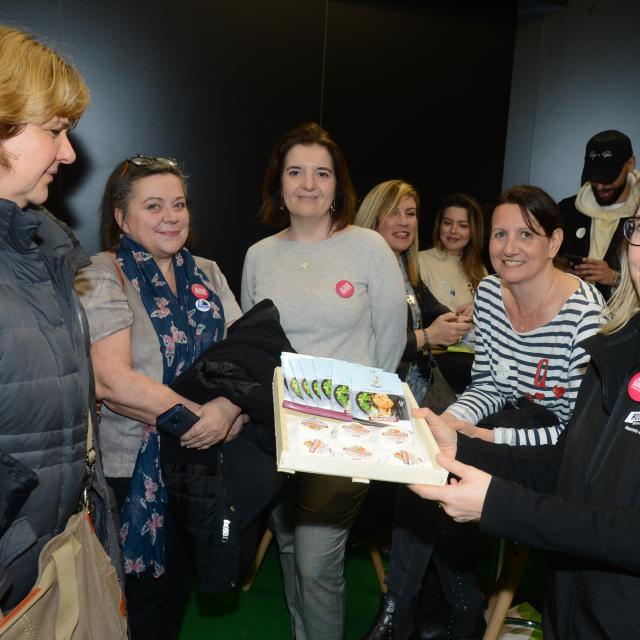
578 499
45 391
152 309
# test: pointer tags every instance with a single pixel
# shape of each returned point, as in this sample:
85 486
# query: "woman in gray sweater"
340 294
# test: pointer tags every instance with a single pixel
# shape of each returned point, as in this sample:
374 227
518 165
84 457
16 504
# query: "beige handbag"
77 595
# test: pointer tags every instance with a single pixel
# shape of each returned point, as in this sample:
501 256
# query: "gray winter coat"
45 394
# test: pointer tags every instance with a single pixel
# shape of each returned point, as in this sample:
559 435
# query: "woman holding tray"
391 208
529 319
340 295
578 499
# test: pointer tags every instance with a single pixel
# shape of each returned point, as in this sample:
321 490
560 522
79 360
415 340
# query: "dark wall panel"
409 89
420 91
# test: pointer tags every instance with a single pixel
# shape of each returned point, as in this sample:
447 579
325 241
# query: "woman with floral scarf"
152 309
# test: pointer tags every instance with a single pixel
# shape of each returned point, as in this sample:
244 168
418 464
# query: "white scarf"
604 221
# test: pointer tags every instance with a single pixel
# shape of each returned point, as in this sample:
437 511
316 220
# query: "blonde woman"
45 377
579 498
391 208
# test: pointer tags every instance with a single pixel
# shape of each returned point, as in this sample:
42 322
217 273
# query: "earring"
332 209
281 203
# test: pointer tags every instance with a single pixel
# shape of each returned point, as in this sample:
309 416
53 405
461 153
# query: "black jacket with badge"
577 232
579 499
45 395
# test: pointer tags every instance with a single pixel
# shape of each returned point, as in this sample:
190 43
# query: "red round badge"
344 289
634 388
200 291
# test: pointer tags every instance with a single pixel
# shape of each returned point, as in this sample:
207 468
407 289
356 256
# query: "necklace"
524 316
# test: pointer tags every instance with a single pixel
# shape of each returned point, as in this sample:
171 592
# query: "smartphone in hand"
176 421
573 259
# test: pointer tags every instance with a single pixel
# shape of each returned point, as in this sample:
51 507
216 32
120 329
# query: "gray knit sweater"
339 298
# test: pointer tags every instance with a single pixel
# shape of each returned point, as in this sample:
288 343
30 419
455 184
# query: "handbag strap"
68 599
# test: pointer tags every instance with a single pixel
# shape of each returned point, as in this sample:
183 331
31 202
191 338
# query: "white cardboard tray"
429 472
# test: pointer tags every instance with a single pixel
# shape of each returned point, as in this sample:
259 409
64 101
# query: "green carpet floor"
261 613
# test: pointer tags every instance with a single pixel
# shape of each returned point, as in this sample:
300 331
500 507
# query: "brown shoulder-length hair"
471 260
272 213
117 194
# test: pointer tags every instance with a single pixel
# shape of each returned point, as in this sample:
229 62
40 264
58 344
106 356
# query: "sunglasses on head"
147 161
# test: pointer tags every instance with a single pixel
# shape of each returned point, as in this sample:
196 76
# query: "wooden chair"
513 559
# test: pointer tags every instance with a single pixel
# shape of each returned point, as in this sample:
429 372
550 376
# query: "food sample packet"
292 387
378 396
340 386
323 376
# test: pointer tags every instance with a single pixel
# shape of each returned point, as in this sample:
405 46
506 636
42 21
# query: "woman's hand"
448 328
467 428
462 499
466 310
219 419
597 271
446 437
237 427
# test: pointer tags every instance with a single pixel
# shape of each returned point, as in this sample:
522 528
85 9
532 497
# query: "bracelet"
618 278
426 346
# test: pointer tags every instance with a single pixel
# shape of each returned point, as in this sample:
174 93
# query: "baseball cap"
606 153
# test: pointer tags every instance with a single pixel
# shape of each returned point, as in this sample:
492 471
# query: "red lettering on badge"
200 291
634 388
344 289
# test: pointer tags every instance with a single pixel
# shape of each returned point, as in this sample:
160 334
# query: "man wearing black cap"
610 191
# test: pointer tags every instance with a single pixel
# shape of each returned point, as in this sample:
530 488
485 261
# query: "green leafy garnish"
341 394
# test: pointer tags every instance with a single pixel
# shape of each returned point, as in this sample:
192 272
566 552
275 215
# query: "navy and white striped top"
545 365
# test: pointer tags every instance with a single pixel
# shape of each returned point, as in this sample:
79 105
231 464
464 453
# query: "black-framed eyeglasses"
631 230
147 161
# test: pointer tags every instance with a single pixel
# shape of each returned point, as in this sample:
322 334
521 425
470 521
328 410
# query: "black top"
579 498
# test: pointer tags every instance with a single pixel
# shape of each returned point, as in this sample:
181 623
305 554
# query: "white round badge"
580 232
502 370
202 305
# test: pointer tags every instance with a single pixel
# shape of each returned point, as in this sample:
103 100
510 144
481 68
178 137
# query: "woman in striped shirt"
530 319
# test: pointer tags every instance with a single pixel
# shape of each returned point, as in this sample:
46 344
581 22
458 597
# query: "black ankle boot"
393 622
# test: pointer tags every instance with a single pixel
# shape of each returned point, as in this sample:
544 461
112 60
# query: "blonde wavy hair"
625 302
36 85
378 204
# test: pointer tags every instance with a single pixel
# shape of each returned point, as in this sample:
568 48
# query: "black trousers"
156 606
424 537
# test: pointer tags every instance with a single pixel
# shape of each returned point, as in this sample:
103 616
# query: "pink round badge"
344 289
634 388
200 291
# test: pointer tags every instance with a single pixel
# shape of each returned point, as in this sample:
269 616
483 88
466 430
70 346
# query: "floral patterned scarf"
186 324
